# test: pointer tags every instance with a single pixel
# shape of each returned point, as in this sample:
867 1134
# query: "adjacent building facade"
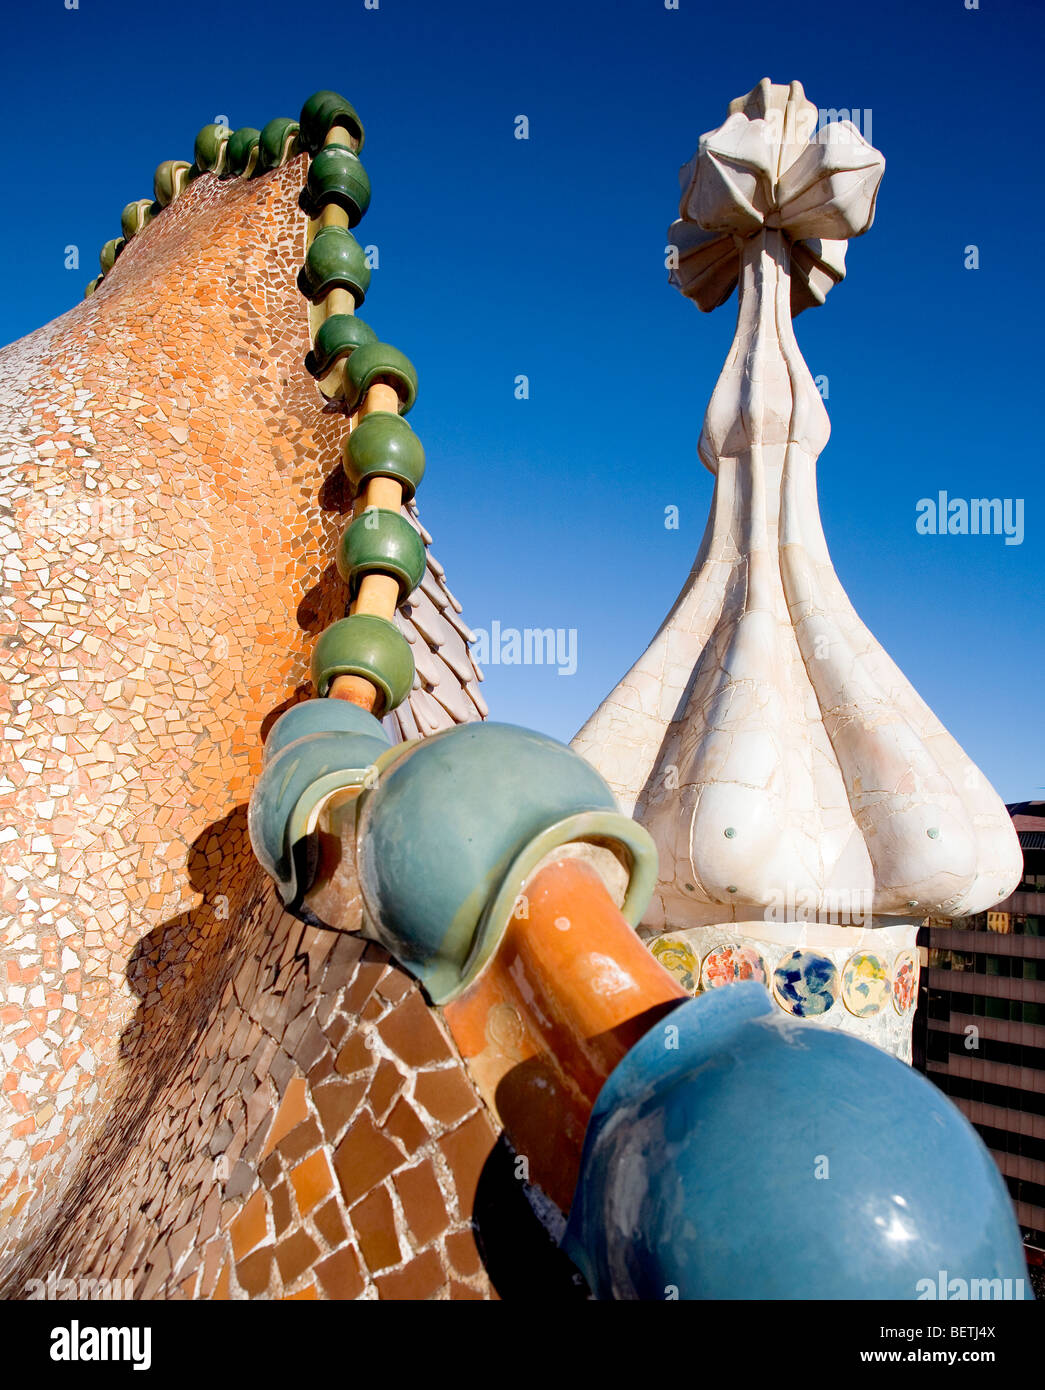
981 1023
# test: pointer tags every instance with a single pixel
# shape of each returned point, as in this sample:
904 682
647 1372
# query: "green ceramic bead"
384 446
169 180
241 152
321 112
277 143
210 148
136 215
377 362
337 176
92 286
336 337
364 645
109 252
380 541
335 259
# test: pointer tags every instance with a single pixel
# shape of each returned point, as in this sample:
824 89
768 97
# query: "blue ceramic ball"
738 1153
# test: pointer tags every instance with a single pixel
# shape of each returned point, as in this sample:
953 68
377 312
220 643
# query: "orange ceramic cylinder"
569 991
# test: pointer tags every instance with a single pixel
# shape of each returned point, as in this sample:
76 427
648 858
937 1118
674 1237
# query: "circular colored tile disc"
865 984
726 964
678 957
806 984
905 982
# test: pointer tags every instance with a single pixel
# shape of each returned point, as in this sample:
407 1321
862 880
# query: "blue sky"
501 257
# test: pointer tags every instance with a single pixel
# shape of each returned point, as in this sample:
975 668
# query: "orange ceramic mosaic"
199 1093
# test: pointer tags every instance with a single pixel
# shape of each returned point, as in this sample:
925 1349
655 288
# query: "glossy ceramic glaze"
454 828
568 991
724 1160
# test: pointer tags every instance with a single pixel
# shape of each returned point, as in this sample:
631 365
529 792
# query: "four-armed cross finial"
767 166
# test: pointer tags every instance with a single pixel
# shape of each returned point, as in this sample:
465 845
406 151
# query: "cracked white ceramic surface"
764 737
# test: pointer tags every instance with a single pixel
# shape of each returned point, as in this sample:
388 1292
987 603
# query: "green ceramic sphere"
380 541
166 180
240 152
109 252
384 446
335 260
336 337
137 215
321 113
337 176
209 149
277 143
92 285
368 646
380 362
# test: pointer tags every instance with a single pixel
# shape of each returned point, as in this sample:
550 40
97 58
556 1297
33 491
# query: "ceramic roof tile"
455 700
151 668
425 616
445 668
428 668
454 652
430 715
477 700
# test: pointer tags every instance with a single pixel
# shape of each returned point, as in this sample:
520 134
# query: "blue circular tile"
805 984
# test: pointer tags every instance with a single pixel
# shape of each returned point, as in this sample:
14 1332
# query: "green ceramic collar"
591 827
